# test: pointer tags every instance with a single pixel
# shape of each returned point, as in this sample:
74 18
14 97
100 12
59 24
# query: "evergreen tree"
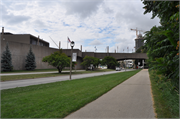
30 61
6 60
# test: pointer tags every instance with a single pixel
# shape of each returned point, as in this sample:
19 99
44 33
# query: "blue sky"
89 23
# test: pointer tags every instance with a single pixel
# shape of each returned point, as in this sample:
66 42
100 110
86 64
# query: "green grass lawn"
33 76
59 99
166 100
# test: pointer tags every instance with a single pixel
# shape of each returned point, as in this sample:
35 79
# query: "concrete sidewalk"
130 99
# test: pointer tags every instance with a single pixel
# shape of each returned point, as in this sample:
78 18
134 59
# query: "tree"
123 64
162 41
96 61
110 62
6 60
118 64
30 60
88 60
58 60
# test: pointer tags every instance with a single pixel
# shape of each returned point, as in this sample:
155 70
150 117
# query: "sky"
94 24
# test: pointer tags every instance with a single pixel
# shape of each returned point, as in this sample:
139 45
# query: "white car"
118 68
141 67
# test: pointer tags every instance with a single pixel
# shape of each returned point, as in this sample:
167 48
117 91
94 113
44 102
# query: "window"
40 43
33 41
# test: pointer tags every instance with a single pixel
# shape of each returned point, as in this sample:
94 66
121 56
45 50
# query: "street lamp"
72 45
125 63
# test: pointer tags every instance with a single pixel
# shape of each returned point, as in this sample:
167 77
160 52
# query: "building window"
33 41
40 43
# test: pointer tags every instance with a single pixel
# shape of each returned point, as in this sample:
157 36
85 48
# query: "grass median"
59 99
33 76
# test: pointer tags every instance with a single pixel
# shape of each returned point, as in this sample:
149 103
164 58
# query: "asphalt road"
130 99
8 74
28 82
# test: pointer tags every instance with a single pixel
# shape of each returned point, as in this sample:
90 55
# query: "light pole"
72 45
125 63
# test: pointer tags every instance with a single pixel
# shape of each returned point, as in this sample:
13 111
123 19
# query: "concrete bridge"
117 56
100 55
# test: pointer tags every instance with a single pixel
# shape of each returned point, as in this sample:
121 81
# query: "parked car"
118 68
141 67
91 68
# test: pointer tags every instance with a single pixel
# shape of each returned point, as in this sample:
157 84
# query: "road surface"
8 74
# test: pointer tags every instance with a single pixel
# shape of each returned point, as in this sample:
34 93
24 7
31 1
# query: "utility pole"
59 44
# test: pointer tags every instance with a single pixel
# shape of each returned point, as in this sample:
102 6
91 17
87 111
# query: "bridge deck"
101 55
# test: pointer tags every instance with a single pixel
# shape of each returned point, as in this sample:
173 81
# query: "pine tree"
6 60
30 61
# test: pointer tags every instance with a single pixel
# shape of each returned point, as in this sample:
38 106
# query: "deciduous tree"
162 41
110 62
88 60
58 59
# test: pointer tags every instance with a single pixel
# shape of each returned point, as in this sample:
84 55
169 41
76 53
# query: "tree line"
162 42
108 60
61 60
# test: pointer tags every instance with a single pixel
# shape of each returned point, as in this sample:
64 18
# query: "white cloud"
39 24
84 8
95 42
89 23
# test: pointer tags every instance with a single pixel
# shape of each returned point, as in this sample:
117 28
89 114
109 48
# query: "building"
19 45
139 41
129 63
23 38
